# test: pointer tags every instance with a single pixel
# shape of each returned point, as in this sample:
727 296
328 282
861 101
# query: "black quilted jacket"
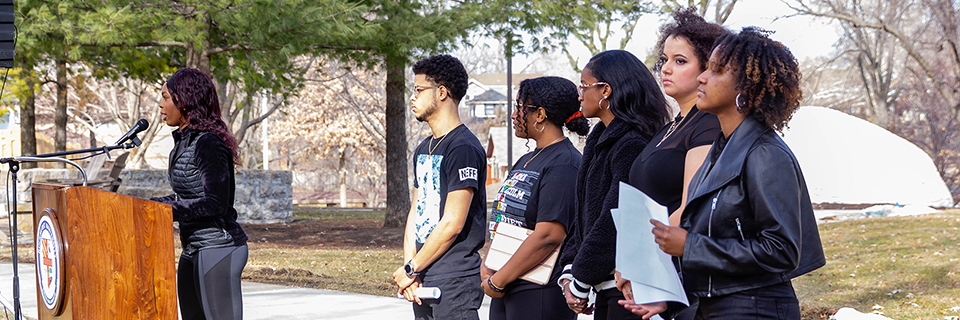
202 177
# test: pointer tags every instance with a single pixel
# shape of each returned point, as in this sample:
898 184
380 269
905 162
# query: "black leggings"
546 303
608 308
208 283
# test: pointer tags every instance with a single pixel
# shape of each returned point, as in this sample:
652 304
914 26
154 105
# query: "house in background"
487 104
487 93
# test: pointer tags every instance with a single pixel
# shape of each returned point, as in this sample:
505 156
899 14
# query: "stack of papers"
639 259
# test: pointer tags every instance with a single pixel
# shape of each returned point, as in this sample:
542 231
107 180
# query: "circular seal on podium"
50 264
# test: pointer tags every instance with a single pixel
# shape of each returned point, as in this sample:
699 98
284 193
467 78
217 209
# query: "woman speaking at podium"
201 174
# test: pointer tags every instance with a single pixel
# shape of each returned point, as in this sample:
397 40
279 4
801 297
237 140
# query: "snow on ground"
853 314
848 160
897 211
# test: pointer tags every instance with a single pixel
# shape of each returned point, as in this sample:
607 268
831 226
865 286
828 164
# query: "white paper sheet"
639 259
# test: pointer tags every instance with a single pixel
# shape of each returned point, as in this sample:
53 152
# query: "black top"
543 190
658 171
458 161
201 173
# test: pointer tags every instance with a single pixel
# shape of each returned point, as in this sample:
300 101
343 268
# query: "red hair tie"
574 116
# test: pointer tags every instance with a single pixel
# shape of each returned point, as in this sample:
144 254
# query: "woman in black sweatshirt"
619 90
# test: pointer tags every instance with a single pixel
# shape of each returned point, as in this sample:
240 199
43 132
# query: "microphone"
139 127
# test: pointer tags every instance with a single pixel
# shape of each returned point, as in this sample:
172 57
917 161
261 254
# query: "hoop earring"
739 107
544 126
600 103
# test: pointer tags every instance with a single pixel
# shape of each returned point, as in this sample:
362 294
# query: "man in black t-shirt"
445 225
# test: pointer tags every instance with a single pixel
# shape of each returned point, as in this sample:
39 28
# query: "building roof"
489 95
500 79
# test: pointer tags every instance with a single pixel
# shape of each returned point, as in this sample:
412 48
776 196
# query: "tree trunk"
28 120
198 58
343 178
60 116
398 194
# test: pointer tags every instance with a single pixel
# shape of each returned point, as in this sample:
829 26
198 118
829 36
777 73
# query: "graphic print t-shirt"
458 161
544 190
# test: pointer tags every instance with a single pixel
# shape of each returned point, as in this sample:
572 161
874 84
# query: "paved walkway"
261 301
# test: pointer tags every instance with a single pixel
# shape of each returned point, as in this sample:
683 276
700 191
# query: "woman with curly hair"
665 167
749 226
619 90
201 175
538 194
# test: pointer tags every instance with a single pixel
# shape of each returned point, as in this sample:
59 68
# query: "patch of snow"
848 160
898 211
846 313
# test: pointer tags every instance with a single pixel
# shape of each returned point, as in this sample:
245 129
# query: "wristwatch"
408 269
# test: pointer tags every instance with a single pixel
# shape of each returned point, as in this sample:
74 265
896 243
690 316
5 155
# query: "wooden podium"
102 255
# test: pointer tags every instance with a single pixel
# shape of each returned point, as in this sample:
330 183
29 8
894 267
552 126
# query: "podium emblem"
50 267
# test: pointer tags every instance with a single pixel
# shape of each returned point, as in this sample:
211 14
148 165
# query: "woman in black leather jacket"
748 227
201 174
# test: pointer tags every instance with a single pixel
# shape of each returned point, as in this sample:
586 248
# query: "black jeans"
459 299
546 303
777 301
608 308
208 283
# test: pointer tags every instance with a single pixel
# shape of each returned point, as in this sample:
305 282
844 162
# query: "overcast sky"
806 37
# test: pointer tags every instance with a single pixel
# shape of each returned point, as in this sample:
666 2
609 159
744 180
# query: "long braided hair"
558 98
194 94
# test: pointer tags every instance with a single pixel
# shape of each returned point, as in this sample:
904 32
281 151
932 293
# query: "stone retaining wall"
261 196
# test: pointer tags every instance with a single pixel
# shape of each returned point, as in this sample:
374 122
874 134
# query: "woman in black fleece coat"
201 175
617 88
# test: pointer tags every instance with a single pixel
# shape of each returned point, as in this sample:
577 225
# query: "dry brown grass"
904 267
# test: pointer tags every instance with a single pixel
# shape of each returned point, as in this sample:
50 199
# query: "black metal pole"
509 54
14 167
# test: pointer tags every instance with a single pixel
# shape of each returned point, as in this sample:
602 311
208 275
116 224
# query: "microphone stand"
14 163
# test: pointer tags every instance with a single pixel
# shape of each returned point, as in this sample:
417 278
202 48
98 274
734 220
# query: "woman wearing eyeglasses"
538 194
618 89
749 227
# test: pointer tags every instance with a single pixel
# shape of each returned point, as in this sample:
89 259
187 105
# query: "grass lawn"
904 267
317 212
367 270
362 271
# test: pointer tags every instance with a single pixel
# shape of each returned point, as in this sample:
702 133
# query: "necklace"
541 150
438 143
673 127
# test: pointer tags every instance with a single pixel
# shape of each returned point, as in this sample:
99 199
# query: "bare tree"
903 55
721 8
122 101
336 125
933 38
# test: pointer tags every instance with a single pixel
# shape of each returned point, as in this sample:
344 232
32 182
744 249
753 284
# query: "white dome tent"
848 160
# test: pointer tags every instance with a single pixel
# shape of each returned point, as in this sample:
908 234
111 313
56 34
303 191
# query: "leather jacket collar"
731 158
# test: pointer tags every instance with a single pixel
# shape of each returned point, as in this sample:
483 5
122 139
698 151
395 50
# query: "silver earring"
600 103
544 126
739 107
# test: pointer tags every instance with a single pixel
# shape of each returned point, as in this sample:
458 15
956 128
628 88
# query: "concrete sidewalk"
262 301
